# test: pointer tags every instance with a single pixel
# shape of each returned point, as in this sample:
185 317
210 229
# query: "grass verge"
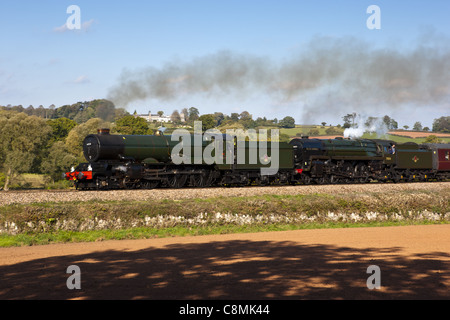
44 223
32 239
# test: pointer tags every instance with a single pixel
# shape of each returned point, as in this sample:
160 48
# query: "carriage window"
447 156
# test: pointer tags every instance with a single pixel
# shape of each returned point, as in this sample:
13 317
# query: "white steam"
366 124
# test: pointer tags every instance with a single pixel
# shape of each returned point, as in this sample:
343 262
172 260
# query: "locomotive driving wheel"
149 184
176 181
201 180
349 171
128 184
362 171
262 181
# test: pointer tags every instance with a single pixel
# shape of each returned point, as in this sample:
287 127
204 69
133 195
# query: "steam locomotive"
147 162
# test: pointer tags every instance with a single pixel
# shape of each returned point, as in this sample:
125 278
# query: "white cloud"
85 27
81 80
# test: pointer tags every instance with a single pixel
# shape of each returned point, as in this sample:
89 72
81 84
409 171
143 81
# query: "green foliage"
333 131
417 126
193 114
58 161
314 132
208 121
22 137
131 125
284 137
442 124
61 128
287 122
432 139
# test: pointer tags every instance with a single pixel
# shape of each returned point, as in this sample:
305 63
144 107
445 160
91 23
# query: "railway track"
42 196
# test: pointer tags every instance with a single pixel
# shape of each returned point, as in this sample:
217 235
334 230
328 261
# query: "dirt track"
307 264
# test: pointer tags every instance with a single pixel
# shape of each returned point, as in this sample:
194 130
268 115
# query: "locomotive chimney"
103 131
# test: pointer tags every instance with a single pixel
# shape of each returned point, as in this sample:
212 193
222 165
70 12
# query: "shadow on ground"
232 270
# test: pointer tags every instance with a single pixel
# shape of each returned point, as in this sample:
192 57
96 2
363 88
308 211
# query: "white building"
155 117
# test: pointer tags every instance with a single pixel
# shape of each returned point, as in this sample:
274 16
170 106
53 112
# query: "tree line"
441 124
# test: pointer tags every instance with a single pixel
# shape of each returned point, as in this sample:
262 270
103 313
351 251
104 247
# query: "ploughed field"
41 196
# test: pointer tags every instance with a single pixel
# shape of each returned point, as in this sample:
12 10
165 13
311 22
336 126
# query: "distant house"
156 118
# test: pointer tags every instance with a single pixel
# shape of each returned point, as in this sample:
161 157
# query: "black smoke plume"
328 74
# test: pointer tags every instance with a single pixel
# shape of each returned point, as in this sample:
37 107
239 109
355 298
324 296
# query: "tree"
21 139
234 117
349 120
160 113
390 123
370 121
104 109
245 115
120 112
175 117
30 110
393 125
131 125
193 114
58 160
82 111
208 121
324 124
185 112
85 113
406 127
61 128
287 122
441 125
219 117
51 111
417 126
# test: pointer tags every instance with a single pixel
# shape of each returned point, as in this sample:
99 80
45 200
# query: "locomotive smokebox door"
91 148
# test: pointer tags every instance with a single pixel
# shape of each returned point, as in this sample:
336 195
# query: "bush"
333 130
314 132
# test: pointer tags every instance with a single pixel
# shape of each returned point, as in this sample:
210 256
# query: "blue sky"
42 63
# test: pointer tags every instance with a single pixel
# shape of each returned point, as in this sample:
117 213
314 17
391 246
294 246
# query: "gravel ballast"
26 197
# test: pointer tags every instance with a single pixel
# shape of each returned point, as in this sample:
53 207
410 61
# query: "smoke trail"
328 75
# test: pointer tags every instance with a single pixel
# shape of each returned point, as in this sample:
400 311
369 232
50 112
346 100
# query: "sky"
312 60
